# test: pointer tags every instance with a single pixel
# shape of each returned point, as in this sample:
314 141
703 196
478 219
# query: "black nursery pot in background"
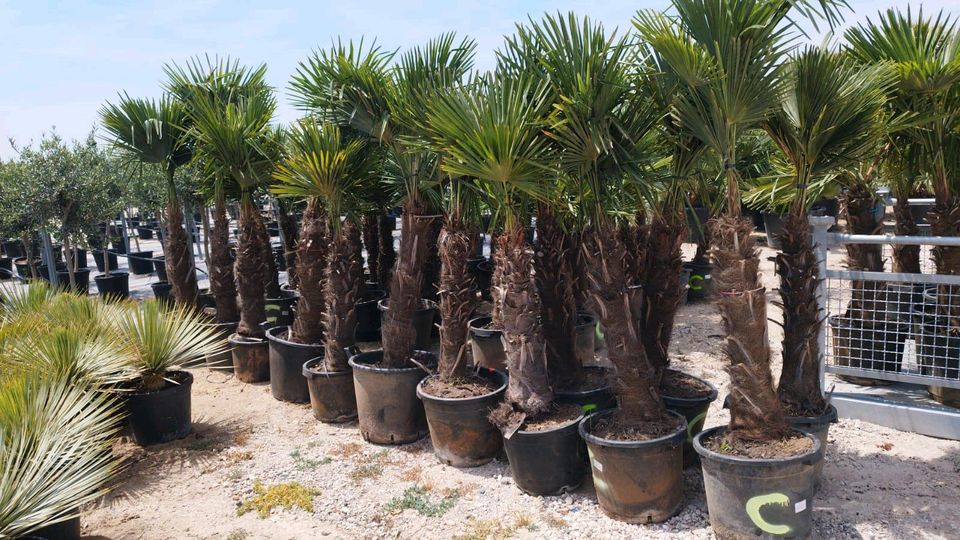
693 408
113 284
140 262
548 462
486 345
111 258
160 266
280 310
422 320
368 316
387 403
163 415
701 282
161 291
6 267
251 358
287 358
332 395
64 530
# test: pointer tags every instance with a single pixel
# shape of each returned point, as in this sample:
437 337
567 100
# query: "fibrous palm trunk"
399 334
178 259
372 243
528 388
945 221
581 291
387 254
859 210
755 411
906 258
311 251
431 271
799 273
457 295
222 285
498 283
342 286
554 279
250 269
617 307
288 228
271 282
664 261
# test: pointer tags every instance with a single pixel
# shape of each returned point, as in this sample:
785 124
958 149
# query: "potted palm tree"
152 131
333 173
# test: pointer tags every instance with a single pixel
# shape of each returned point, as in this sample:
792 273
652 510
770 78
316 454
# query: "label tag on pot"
800 506
597 465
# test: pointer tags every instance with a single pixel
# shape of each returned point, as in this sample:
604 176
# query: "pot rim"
378 294
216 324
353 363
490 372
705 452
425 304
483 332
831 416
676 438
310 373
711 397
111 274
575 422
286 343
286 294
606 387
186 383
237 339
590 320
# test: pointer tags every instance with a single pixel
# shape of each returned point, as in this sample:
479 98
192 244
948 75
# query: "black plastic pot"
773 226
701 282
205 299
919 213
81 276
222 361
819 427
387 403
332 394
459 430
938 354
280 310
636 481
13 248
876 346
251 358
694 411
23 267
161 291
6 267
486 344
548 462
594 399
697 217
286 366
759 498
422 319
368 316
114 284
140 263
161 416
482 271
146 233
111 258
160 267
584 339
81 257
64 530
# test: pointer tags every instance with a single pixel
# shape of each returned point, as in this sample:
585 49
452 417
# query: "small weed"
887 445
412 474
347 449
307 464
236 456
287 496
238 534
524 521
241 437
203 444
554 521
726 447
235 474
482 529
416 498
367 470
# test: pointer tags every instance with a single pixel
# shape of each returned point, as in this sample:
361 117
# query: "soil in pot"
287 382
461 434
819 427
163 415
63 530
423 319
111 258
690 397
332 395
140 262
387 403
766 493
222 361
547 455
368 316
280 310
593 392
700 283
251 358
486 344
637 481
114 285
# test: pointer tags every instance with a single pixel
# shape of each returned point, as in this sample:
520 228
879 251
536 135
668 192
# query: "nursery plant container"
332 395
773 226
160 267
697 217
694 411
387 403
140 263
459 430
876 346
205 299
222 361
23 267
146 233
286 366
6 267
599 398
423 319
636 481
584 339
548 462
163 415
482 271
81 257
63 530
280 310
700 284
251 358
486 344
81 276
684 284
111 258
759 498
13 248
113 284
819 427
368 316
161 291
938 353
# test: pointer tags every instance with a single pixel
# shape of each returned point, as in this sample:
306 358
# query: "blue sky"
61 60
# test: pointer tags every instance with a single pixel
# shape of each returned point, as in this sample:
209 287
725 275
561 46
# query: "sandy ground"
879 483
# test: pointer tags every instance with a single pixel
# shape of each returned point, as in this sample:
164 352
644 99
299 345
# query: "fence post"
820 226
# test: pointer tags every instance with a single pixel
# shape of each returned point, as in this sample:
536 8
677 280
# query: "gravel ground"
879 483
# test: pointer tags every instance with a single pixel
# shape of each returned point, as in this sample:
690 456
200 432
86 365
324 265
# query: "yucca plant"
830 118
152 131
333 173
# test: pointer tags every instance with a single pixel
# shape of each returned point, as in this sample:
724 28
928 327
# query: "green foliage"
417 498
287 496
148 131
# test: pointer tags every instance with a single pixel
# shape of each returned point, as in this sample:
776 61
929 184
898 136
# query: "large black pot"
81 255
874 346
140 262
584 339
694 411
700 281
697 217
280 310
333 398
23 267
113 285
146 233
773 226
548 462
637 481
482 271
387 403
759 498
81 276
594 399
6 267
64 530
160 267
222 361
286 366
13 248
486 344
368 316
251 358
819 427
163 415
161 291
111 258
459 430
422 320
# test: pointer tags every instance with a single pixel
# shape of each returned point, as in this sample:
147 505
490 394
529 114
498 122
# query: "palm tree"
356 87
830 119
491 131
151 131
332 172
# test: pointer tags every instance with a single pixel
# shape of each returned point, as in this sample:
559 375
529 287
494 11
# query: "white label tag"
800 506
597 465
